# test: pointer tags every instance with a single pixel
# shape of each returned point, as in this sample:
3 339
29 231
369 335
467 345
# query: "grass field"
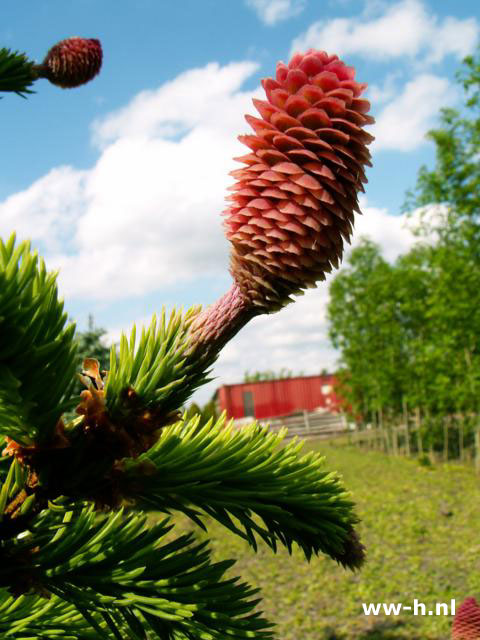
421 527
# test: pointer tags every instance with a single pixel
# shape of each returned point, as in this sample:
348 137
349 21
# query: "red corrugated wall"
279 397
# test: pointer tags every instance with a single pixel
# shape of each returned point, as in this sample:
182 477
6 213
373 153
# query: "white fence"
323 425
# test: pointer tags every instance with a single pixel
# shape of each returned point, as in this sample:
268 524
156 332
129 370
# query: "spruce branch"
121 418
112 566
16 72
154 371
33 394
234 475
32 617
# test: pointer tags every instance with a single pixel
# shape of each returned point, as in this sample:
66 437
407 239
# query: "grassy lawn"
421 530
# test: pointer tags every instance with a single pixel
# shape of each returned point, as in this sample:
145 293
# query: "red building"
271 398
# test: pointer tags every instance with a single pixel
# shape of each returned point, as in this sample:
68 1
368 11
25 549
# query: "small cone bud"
466 624
72 62
293 203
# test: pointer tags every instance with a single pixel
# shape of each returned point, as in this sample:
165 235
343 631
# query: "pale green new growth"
195 467
37 352
154 368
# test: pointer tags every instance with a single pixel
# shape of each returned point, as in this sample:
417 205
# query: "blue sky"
120 183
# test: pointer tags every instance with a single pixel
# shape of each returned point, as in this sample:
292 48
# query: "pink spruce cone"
293 204
466 624
72 62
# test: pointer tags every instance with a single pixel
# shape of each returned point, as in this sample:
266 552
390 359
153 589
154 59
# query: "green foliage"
37 352
454 261
409 332
122 577
455 179
368 322
209 411
16 72
159 369
32 617
406 333
259 376
112 574
194 467
206 413
424 461
193 411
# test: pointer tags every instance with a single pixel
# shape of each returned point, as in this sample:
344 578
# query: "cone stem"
40 70
220 322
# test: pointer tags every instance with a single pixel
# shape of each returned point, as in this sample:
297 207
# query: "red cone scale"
73 62
466 624
293 203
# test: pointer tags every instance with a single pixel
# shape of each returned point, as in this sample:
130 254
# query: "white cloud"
405 29
47 210
378 94
114 333
392 233
208 97
272 11
456 37
403 122
148 213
